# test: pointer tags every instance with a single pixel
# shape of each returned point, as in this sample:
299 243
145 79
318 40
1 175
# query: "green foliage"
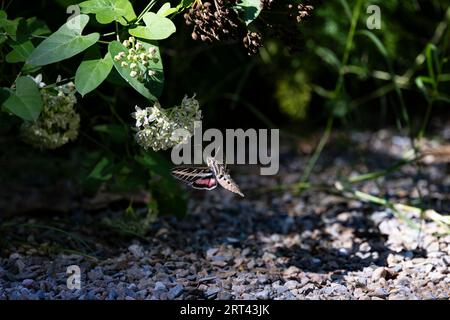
157 27
102 170
166 10
66 42
107 11
20 52
151 86
19 32
25 101
91 73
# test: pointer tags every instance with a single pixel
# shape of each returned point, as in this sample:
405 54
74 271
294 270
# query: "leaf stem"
61 82
146 9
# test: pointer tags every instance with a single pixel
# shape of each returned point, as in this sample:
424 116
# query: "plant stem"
146 9
348 45
117 31
313 160
382 173
109 34
59 83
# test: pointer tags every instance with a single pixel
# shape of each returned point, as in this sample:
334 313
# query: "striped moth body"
207 178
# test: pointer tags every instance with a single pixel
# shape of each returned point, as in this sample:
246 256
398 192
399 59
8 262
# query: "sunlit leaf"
151 87
157 27
163 9
64 43
107 11
91 73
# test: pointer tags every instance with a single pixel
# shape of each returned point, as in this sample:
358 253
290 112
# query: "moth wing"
190 174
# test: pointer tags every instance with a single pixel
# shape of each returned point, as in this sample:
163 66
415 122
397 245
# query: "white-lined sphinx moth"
207 178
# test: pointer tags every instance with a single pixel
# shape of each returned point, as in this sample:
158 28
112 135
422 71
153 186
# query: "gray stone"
211 252
379 273
379 292
28 283
292 284
136 250
262 295
159 286
224 295
212 291
175 291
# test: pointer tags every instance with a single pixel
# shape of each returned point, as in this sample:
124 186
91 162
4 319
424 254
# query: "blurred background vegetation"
334 69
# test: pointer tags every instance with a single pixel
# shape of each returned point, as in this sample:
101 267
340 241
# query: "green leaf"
420 83
328 56
64 43
5 93
26 100
166 10
21 30
9 26
151 87
431 55
102 170
250 10
377 42
157 27
348 11
3 18
20 52
91 73
107 11
184 4
36 27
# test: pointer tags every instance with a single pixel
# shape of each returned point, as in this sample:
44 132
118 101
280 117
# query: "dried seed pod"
252 41
218 22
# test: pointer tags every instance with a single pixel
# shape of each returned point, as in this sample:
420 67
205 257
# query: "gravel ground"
269 245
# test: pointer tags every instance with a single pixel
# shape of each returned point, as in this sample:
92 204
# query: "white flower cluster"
137 59
161 129
58 122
